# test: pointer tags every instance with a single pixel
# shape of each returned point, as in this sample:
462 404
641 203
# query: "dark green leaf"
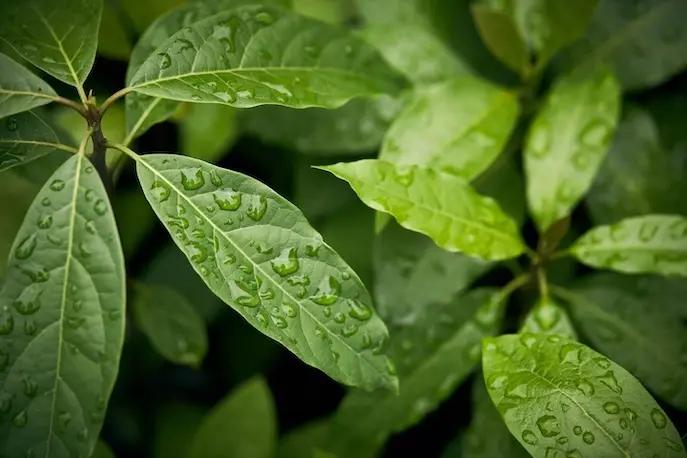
547 317
302 442
208 131
258 253
58 36
633 320
500 34
242 425
559 397
62 315
21 90
645 244
102 450
434 203
459 126
256 55
171 323
567 142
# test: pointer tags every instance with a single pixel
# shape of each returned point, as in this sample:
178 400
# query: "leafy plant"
524 107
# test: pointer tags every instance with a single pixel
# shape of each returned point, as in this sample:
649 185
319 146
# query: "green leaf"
302 441
640 175
21 90
416 52
58 36
412 272
257 252
431 130
567 142
487 435
102 450
645 244
143 112
242 425
171 323
435 351
256 55
623 317
26 137
114 40
644 43
356 127
547 317
62 315
503 181
558 396
500 34
441 206
175 425
208 131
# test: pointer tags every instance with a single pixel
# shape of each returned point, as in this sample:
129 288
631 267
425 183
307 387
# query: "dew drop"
160 191
26 247
227 200
45 221
6 324
100 207
192 179
165 60
658 419
359 310
327 292
529 437
257 208
57 185
548 426
611 408
286 263
588 437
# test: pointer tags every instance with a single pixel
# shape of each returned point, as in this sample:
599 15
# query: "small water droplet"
658 419
359 310
165 60
6 323
228 200
611 408
20 419
257 208
327 292
5 402
45 221
160 190
286 263
192 179
529 437
26 247
609 380
11 124
30 386
588 437
100 207
548 426
57 185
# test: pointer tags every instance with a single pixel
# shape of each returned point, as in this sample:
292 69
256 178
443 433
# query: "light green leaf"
62 318
500 34
21 90
567 142
242 425
640 175
487 435
435 350
58 36
302 441
208 131
356 127
441 206
171 323
416 52
412 272
644 42
257 252
645 244
548 388
623 317
547 317
25 137
256 55
459 126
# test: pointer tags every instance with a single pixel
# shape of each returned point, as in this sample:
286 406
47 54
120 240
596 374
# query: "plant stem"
543 284
515 284
71 104
110 100
94 117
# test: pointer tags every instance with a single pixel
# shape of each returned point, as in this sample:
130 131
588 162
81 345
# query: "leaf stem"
111 99
70 103
543 284
515 284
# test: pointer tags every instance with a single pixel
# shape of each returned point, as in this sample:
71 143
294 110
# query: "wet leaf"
63 35
436 204
547 317
292 61
257 252
432 131
567 142
171 323
21 90
644 244
61 318
558 396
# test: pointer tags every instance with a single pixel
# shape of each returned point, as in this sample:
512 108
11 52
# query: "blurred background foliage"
158 405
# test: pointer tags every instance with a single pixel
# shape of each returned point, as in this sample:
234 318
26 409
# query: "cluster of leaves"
450 123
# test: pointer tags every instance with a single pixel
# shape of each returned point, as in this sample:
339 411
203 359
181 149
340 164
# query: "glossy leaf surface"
558 396
174 327
58 36
434 203
62 318
20 90
459 126
644 244
547 317
243 425
634 321
567 142
258 55
257 252
25 137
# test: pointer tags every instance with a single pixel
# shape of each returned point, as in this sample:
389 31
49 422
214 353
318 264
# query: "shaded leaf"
62 315
644 244
114 40
171 323
257 55
302 441
567 142
242 425
547 317
501 35
25 137
644 42
208 131
459 126
257 252
102 450
21 90
436 204
58 36
633 320
548 387
175 426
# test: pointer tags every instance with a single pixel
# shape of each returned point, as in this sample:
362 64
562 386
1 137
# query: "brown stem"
98 158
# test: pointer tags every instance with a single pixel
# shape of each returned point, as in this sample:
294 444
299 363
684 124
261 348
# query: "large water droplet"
327 292
160 190
548 426
585 387
257 208
57 185
192 179
264 18
26 247
228 200
588 437
611 408
100 207
359 310
609 380
286 263
529 437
